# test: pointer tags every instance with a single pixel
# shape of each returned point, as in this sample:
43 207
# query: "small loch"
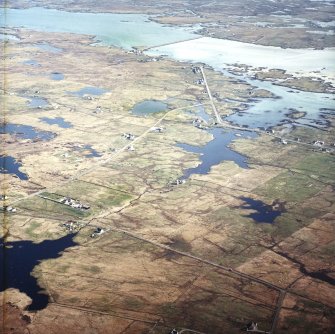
31 62
260 212
37 102
217 151
89 91
25 132
60 121
19 258
149 107
8 165
87 151
57 76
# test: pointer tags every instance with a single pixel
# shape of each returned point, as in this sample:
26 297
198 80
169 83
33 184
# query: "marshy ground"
236 244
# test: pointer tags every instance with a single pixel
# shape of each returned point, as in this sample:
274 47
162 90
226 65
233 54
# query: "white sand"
219 52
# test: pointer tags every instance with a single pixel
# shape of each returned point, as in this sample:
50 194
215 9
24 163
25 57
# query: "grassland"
189 256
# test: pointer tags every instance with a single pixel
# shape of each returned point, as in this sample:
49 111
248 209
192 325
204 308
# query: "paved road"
166 44
187 330
235 127
218 118
231 270
282 292
278 309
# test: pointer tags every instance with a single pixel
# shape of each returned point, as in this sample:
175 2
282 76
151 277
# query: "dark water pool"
261 212
57 76
25 131
36 102
32 63
18 259
60 121
8 165
87 151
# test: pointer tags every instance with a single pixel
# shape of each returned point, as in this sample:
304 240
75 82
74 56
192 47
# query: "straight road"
218 118
172 43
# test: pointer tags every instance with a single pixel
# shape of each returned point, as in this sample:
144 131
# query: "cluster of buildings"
284 141
98 231
88 97
9 209
157 129
136 51
128 136
198 123
148 60
200 82
72 226
6 208
318 143
98 110
178 182
252 326
73 203
174 331
196 69
139 52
